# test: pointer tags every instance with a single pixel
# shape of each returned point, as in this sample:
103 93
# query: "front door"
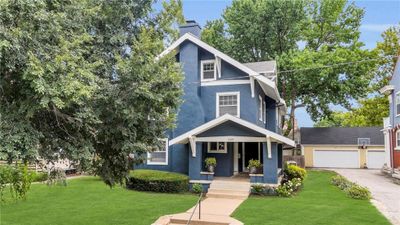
251 150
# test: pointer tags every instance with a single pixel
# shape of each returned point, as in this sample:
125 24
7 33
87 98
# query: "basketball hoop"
363 143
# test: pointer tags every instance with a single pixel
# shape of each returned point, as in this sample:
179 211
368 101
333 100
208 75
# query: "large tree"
371 111
79 79
316 43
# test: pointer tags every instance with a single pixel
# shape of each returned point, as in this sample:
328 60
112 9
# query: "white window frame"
209 150
264 112
166 155
397 140
219 94
260 108
397 102
201 70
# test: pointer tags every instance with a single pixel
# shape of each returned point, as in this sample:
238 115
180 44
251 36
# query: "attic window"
208 70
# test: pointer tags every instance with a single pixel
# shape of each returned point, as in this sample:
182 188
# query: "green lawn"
318 203
90 201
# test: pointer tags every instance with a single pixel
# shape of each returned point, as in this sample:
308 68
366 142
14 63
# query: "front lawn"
89 201
318 203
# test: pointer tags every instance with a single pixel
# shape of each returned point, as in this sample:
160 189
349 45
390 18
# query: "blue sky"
379 15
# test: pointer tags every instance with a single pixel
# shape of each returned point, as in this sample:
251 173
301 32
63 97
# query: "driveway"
385 194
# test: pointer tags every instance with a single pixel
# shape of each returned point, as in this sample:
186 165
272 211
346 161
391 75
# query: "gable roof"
184 138
340 135
268 86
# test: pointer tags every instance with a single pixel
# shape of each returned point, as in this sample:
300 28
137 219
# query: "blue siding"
270 165
224 166
395 120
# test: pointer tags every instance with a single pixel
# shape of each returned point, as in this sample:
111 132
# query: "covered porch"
233 142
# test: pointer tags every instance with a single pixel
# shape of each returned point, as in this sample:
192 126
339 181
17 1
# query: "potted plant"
211 163
254 165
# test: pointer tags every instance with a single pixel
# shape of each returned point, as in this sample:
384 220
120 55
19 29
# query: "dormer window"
208 70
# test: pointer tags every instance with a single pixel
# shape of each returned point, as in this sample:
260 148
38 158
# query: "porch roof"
184 138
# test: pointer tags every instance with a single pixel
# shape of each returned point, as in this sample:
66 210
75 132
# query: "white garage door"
336 159
375 159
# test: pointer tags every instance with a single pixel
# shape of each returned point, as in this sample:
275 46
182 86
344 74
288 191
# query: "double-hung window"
159 156
398 140
217 147
208 72
397 102
228 103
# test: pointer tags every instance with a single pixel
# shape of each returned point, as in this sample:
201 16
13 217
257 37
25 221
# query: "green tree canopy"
316 43
79 79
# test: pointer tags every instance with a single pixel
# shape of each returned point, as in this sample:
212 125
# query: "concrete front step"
231 194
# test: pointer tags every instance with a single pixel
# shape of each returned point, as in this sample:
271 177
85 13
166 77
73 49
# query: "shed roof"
262 67
340 135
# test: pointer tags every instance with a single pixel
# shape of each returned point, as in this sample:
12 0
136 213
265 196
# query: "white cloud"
376 27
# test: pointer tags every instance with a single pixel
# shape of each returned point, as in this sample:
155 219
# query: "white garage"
375 159
336 158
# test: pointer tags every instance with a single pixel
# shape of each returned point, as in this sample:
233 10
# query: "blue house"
231 111
392 123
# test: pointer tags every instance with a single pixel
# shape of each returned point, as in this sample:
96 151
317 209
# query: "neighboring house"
343 147
231 111
392 123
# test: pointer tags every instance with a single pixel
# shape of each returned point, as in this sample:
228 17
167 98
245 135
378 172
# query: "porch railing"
198 204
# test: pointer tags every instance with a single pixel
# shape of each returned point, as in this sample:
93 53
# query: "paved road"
385 194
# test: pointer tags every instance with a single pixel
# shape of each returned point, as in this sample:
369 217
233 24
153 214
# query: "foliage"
307 38
210 161
358 192
370 113
57 176
157 181
39 176
18 178
100 204
197 188
289 187
255 163
257 189
353 190
80 80
292 171
329 205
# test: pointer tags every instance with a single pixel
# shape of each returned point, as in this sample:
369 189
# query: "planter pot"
211 169
253 170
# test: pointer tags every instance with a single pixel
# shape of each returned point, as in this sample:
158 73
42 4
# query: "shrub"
285 190
57 176
39 176
157 181
210 161
292 171
341 182
5 178
197 188
255 163
257 189
358 192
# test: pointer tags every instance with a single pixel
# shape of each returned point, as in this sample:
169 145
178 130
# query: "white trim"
244 169
219 94
217 53
265 112
183 138
386 89
260 108
166 155
209 150
202 62
192 141
397 140
396 102
224 82
231 139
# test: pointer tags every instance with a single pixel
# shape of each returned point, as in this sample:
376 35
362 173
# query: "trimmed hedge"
157 181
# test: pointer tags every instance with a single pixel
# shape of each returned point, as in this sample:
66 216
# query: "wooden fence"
299 159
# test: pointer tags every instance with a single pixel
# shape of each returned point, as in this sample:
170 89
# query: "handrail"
194 210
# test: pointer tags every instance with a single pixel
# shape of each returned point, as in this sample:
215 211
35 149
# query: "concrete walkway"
385 194
224 196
